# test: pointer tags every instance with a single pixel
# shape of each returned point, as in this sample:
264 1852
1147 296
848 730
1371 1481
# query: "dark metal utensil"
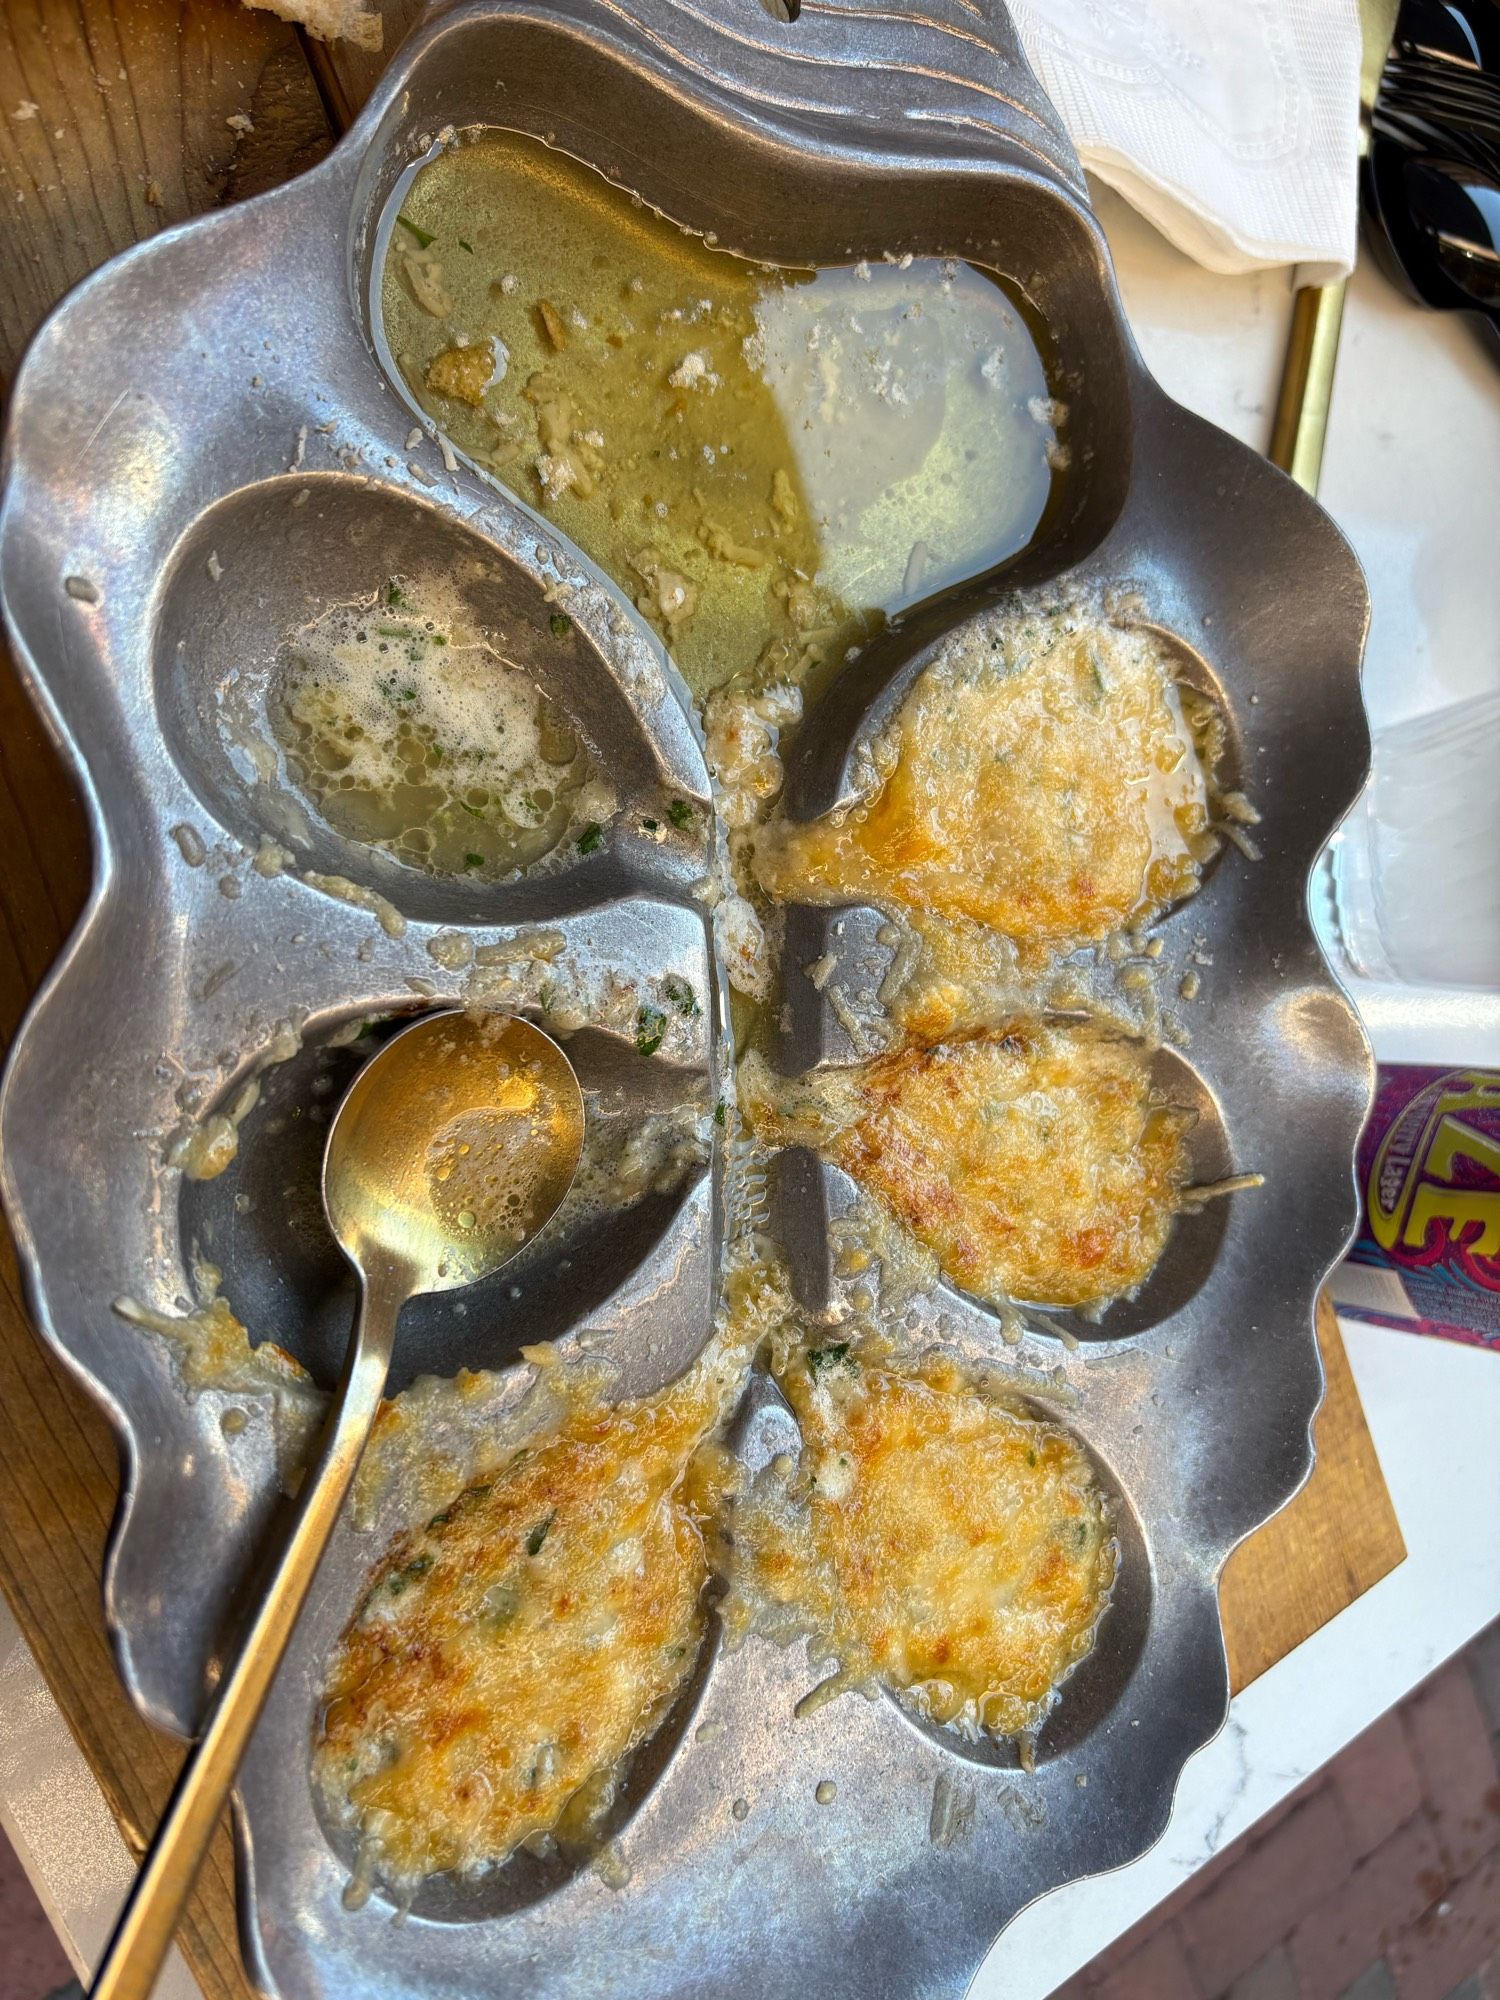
1430 182
1428 90
1456 209
1435 227
1463 36
1421 131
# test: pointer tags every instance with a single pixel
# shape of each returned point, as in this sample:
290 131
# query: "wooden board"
115 123
129 133
1337 1537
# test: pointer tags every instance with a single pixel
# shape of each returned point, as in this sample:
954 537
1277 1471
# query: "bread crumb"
691 370
552 325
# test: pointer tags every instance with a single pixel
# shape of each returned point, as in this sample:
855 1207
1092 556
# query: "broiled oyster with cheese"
1040 780
1036 1162
931 1540
510 1657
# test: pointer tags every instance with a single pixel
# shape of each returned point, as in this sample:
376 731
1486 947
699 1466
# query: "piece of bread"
356 21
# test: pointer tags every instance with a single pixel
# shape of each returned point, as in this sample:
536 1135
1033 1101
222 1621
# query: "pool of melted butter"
410 732
770 461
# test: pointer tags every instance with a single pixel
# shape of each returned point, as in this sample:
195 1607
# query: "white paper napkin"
1232 124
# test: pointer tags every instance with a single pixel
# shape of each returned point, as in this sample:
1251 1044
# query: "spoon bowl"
452 1148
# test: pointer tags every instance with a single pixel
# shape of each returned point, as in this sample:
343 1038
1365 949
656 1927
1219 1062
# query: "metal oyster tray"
174 505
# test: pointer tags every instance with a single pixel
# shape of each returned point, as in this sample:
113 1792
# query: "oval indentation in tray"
1194 669
260 566
766 1424
1098 1682
261 1223
525 1879
811 1194
1196 1236
1026 237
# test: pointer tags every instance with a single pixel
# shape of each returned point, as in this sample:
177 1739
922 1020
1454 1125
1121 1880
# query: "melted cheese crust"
1040 780
1035 1164
508 1659
947 1548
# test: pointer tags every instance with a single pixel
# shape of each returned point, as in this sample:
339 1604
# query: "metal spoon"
452 1148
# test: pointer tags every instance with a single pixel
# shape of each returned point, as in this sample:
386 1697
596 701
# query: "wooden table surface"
114 123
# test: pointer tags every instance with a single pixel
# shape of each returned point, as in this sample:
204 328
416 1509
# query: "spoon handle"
144 1932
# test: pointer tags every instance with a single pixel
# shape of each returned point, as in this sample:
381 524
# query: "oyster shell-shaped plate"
177 501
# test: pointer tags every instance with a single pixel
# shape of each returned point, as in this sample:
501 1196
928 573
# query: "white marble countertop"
1412 474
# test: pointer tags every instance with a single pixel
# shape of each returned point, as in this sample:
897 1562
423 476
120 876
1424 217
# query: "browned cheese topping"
509 1658
1040 781
1036 1163
932 1540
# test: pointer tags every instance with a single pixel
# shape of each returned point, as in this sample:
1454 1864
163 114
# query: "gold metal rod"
144 1933
1302 401
1301 422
